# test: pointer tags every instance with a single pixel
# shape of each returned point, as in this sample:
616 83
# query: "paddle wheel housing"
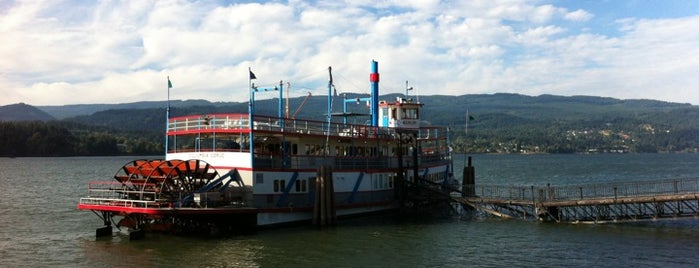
165 181
169 195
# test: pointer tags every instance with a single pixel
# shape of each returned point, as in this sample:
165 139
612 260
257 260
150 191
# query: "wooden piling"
104 231
138 234
468 183
324 212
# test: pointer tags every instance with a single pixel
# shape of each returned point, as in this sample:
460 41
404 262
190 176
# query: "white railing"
113 202
111 193
227 122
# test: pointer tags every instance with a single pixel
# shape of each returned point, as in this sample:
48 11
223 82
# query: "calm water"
40 225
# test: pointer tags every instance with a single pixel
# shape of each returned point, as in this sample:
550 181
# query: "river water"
41 227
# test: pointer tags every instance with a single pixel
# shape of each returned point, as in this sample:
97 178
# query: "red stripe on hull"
216 211
168 211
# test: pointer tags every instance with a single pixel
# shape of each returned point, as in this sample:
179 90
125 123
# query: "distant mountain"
66 111
23 112
548 106
438 109
503 123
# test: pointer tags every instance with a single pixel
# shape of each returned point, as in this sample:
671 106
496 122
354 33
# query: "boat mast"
286 107
330 85
326 148
167 114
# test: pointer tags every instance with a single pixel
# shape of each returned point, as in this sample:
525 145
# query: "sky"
83 52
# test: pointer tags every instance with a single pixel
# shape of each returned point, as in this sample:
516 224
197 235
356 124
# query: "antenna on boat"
286 108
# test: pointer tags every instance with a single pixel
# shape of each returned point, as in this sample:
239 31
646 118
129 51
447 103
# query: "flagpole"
169 85
467 119
167 113
251 110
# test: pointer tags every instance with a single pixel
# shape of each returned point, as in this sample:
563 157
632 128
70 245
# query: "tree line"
26 139
598 130
674 132
55 138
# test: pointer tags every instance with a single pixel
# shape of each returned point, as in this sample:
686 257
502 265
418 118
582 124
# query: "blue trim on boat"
356 188
285 194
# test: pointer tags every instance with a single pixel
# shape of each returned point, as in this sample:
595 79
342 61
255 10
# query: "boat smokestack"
374 79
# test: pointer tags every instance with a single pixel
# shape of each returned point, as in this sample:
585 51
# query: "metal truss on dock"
592 203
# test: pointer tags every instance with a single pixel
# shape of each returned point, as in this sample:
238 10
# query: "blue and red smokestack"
374 79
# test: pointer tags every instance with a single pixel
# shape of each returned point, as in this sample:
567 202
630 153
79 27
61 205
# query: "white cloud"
578 15
108 52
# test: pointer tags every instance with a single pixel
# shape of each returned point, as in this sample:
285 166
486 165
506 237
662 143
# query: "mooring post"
107 229
104 231
316 198
138 234
324 212
468 183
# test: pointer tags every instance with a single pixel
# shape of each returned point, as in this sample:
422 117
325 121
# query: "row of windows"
301 186
406 113
316 149
383 181
435 177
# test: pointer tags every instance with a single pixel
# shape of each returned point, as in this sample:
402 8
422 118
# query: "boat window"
301 185
279 185
410 113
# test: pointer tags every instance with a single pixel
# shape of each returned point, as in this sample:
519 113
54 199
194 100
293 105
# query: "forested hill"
23 112
501 123
73 110
544 106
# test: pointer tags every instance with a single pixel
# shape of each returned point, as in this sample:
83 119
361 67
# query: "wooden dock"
591 203
588 203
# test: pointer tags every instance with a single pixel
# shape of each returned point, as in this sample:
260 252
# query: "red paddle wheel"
157 195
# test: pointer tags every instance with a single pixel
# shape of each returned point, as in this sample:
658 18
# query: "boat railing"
358 162
112 193
211 121
117 202
228 122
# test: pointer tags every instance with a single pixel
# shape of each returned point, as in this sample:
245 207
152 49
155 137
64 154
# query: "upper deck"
239 123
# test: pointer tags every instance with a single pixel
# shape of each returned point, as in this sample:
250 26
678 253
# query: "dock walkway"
591 203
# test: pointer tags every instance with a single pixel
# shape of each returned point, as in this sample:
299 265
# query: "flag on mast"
468 118
252 75
169 86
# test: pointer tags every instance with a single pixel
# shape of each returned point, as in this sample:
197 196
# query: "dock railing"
613 190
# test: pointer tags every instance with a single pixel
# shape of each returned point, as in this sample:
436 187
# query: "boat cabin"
403 113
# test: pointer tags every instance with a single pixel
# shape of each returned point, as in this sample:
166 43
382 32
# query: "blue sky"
74 52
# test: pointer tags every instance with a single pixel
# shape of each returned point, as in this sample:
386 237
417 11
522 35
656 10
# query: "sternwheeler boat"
237 172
